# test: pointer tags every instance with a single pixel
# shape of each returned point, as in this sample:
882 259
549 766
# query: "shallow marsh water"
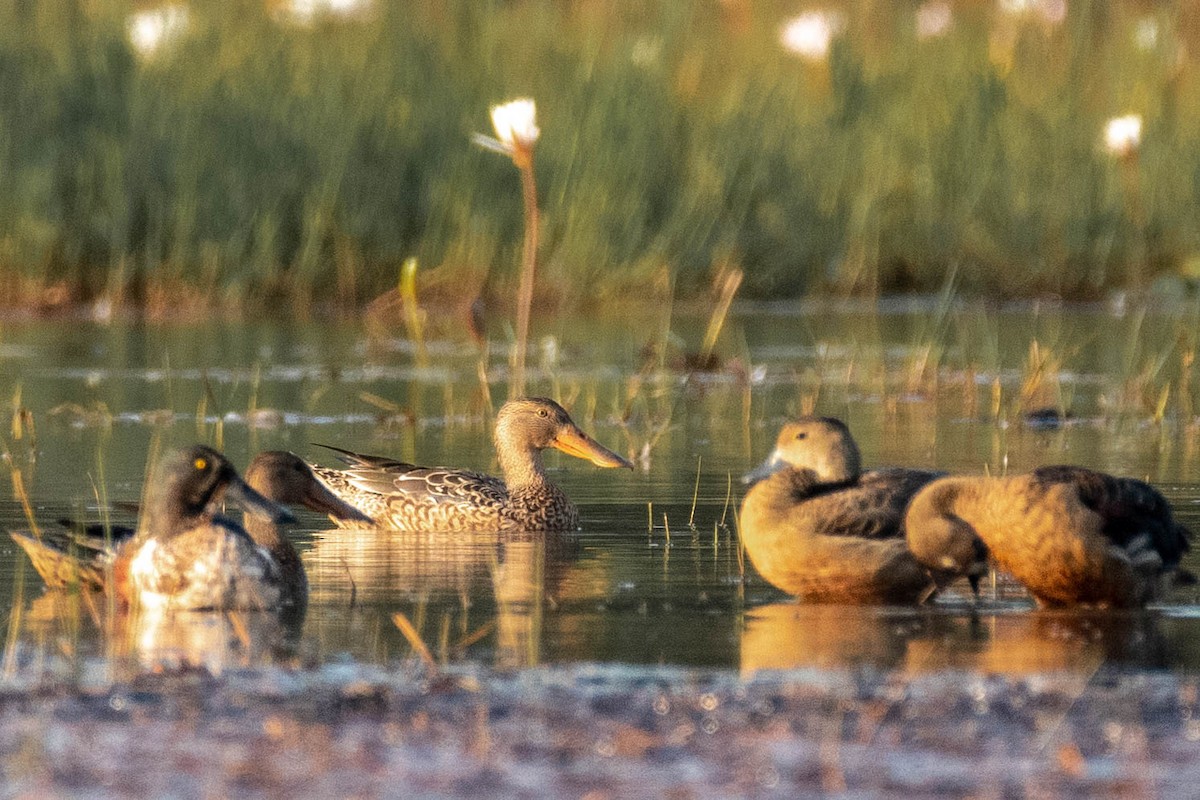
655 576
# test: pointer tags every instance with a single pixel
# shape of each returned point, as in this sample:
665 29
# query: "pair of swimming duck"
186 555
817 526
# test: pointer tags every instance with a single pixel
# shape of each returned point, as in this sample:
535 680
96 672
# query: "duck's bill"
763 470
575 442
317 497
240 493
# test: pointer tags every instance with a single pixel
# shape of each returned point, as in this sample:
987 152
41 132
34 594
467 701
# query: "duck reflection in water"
442 583
922 640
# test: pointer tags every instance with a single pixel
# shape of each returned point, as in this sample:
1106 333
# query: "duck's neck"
940 521
521 465
167 516
270 537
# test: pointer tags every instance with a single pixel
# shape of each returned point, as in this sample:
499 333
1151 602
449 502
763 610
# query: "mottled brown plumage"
1071 535
413 498
814 525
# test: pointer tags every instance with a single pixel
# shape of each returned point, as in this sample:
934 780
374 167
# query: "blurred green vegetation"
253 158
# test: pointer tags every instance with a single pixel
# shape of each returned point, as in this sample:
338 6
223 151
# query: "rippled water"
655 575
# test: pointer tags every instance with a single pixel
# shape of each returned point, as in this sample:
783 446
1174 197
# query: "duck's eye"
802 435
200 464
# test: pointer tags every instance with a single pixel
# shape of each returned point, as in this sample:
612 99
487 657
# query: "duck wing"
387 476
874 506
1130 509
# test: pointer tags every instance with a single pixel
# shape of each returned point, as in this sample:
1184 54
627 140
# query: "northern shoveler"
86 554
187 556
818 527
412 498
285 478
1072 536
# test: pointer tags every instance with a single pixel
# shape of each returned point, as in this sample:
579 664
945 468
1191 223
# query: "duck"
407 497
86 555
818 527
284 477
1072 536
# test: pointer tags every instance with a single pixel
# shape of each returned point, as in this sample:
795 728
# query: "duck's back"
415 498
1128 507
870 508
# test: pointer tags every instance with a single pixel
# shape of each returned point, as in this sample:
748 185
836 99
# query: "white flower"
305 13
1146 33
810 34
150 31
1123 135
516 123
1052 12
516 131
933 19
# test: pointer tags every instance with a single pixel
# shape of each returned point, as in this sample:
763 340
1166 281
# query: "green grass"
255 161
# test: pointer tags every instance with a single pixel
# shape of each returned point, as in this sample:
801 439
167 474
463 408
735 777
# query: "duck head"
820 444
284 478
193 481
538 423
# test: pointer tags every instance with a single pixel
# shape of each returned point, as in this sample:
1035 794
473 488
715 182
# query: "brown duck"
413 498
1072 536
818 527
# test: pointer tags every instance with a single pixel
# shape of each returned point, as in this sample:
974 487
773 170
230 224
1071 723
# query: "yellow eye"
200 464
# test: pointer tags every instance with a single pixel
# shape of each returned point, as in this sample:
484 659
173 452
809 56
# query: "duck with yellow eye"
414 498
187 556
85 555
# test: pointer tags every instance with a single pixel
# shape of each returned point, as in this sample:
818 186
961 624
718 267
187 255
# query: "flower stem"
528 266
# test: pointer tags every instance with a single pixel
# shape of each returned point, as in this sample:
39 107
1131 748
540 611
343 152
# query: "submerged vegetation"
250 154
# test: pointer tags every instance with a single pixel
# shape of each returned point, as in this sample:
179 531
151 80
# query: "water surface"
655 575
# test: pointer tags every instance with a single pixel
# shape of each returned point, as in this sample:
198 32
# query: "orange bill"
575 442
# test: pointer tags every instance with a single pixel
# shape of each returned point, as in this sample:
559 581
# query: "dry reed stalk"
414 318
414 640
731 279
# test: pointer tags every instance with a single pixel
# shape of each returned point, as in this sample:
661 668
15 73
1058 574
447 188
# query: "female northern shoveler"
1071 535
284 478
818 527
84 555
413 498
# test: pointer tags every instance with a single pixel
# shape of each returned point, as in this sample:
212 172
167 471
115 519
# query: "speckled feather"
215 566
412 498
408 497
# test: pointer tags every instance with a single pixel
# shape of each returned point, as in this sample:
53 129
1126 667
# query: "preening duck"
1072 536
